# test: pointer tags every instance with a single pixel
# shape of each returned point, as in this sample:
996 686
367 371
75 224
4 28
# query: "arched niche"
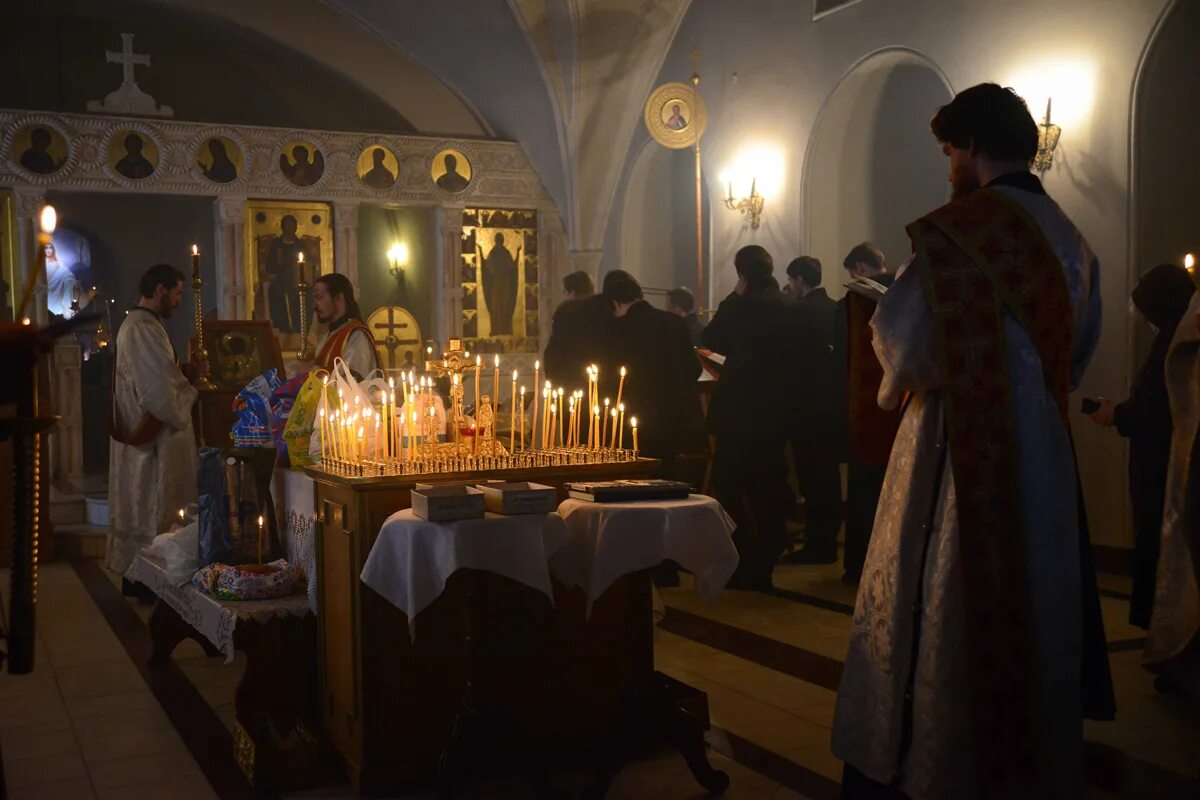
1165 176
658 221
871 166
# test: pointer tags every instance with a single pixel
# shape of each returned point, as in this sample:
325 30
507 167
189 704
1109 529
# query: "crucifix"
127 59
390 340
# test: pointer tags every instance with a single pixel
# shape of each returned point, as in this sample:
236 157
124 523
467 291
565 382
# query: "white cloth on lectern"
610 540
412 559
148 485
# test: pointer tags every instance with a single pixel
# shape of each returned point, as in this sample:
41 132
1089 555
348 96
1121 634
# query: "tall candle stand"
201 354
306 351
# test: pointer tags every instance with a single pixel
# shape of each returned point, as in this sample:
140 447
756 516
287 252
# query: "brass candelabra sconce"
302 288
1048 135
397 256
751 206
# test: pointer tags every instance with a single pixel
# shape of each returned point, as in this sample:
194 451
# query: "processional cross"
127 59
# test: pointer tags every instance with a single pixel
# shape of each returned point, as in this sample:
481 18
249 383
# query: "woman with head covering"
1162 297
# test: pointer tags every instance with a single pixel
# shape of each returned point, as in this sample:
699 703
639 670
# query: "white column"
448 291
345 240
29 208
551 269
232 282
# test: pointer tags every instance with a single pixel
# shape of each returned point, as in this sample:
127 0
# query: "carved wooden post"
448 299
29 208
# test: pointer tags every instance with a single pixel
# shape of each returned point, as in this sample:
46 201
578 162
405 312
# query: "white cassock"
147 485
870 719
1173 646
358 352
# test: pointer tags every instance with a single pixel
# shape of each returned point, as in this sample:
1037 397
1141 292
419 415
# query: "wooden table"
388 703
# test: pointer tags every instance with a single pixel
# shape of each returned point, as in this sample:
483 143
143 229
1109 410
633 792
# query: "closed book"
628 490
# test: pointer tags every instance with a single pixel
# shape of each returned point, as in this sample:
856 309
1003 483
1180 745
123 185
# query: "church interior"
346 620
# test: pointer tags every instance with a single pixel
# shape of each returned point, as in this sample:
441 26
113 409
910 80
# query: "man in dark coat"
662 369
682 303
816 443
1162 297
581 335
757 329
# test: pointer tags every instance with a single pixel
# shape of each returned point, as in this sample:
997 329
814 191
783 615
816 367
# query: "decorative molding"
823 8
501 173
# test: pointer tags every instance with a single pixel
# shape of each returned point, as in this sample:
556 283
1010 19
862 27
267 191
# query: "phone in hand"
1090 405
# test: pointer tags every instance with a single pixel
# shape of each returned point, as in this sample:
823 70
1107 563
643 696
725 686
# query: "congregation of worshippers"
366 444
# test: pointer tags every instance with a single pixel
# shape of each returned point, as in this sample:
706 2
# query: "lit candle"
579 412
495 393
571 421
594 429
621 426
195 259
561 420
433 434
478 363
182 515
412 437
533 421
612 445
512 415
260 538
604 423
300 266
546 395
633 427
362 443
475 438
553 414
621 388
523 418
321 418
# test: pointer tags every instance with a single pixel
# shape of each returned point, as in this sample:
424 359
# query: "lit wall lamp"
397 256
752 205
1047 141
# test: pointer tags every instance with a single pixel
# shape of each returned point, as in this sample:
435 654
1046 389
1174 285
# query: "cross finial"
694 57
127 58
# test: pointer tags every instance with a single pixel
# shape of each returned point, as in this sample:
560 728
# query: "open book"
872 290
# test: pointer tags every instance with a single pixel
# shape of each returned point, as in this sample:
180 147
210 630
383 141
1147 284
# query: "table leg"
168 630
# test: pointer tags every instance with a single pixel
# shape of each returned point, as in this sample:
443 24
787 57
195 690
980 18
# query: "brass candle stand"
200 357
306 350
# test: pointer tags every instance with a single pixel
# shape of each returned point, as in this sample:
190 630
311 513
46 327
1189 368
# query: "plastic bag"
298 432
180 549
215 541
252 405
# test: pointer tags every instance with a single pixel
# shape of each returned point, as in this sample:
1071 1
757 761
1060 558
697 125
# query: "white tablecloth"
292 491
412 559
215 619
609 540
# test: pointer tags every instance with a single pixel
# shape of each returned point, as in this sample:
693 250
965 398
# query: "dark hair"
579 283
623 289
866 253
994 119
754 264
682 298
1163 295
615 276
158 275
807 269
338 284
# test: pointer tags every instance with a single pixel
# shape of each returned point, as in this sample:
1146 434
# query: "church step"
79 541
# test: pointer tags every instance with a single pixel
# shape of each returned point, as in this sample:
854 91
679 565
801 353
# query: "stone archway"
871 166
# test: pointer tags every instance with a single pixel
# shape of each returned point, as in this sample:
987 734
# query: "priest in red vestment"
347 336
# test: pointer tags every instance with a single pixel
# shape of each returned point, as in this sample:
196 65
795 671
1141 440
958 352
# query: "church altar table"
275 701
413 559
389 694
610 540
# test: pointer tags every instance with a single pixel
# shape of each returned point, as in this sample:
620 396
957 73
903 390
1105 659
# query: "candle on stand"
512 415
546 394
412 435
621 435
433 434
475 438
612 445
495 394
621 387
260 537
182 516
523 419
633 427
362 443
553 415
594 430
321 426
533 421
604 424
561 418
579 412
478 362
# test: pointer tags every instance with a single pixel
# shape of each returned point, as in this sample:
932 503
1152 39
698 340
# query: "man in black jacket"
757 329
581 335
817 443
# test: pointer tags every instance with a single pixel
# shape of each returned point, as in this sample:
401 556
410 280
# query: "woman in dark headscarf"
1162 297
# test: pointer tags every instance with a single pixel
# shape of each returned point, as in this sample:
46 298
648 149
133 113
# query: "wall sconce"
752 205
397 256
1047 141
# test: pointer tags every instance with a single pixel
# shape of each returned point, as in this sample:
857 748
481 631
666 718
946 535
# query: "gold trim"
692 108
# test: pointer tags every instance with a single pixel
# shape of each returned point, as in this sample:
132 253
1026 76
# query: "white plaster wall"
787 67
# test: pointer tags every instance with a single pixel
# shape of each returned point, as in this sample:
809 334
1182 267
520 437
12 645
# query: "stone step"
79 541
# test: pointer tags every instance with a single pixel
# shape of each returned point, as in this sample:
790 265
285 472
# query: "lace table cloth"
412 559
609 540
215 619
295 510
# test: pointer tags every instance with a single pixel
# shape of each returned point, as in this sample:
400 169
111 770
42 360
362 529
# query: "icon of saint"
279 273
499 278
223 170
304 169
133 164
379 176
37 158
676 121
452 181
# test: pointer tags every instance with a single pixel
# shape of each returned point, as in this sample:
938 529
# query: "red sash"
336 342
982 259
872 429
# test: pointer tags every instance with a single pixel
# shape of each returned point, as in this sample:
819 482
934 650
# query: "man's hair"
682 299
754 264
159 275
615 276
866 253
579 283
994 119
622 289
807 269
338 284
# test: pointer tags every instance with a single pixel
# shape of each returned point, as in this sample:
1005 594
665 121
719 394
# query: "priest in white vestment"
152 455
963 674
1173 647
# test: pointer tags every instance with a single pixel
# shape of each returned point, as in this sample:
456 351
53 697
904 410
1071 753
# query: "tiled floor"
85 725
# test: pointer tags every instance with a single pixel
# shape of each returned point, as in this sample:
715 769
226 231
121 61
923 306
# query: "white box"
97 511
447 503
519 497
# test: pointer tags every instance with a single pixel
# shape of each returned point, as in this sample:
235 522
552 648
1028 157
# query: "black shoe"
810 555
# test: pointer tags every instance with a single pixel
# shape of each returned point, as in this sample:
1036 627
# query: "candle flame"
195 250
522 391
622 372
596 410
260 520
614 413
537 365
391 383
26 320
432 412
300 257
497 362
478 360
49 219
1189 262
181 514
514 376
633 422
621 407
